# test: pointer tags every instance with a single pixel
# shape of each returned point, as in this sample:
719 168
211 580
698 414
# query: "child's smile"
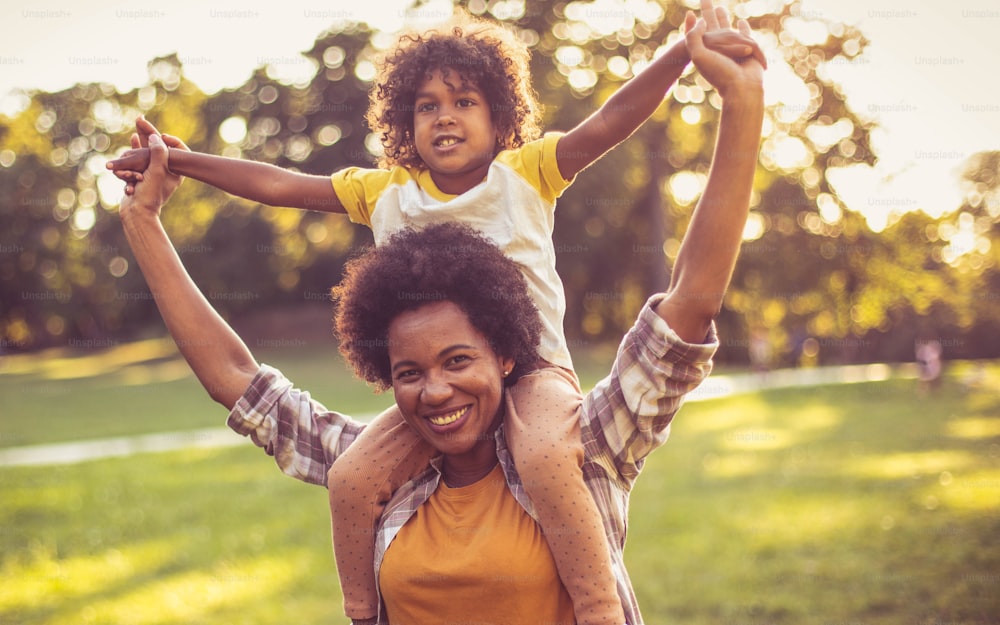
453 131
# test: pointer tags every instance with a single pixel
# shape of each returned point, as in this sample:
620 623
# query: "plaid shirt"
625 417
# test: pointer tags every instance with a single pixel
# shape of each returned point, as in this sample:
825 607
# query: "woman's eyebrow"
443 353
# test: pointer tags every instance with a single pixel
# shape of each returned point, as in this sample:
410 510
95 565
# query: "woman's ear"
506 366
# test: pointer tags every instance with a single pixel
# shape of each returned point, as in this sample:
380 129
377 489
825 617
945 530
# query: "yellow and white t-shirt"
514 206
473 555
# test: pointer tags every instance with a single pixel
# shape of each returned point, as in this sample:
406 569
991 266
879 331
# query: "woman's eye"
460 360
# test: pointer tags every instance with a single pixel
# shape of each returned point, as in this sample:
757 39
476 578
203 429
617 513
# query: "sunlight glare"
829 209
84 218
110 188
582 79
807 32
570 56
686 186
233 130
691 114
754 227
786 153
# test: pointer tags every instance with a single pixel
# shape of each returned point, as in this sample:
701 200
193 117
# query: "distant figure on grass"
760 350
928 355
458 121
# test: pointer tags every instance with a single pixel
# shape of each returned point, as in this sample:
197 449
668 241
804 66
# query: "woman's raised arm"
708 253
217 355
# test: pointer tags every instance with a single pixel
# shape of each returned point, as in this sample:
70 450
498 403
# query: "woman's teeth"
447 418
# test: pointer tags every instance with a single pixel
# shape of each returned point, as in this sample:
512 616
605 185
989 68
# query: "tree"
810 267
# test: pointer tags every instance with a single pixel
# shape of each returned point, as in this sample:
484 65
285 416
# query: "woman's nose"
436 390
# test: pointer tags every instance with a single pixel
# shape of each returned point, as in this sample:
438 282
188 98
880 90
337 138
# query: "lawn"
60 395
858 504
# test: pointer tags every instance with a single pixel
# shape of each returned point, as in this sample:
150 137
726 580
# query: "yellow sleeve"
536 163
358 189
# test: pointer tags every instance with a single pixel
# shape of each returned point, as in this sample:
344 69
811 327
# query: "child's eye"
465 102
425 107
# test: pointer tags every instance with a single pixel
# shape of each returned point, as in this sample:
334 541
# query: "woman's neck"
472 465
459 474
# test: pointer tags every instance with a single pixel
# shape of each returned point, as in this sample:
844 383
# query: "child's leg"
544 435
361 481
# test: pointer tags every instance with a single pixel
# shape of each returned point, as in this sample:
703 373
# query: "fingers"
135 141
744 27
694 32
128 175
131 179
144 128
735 51
157 153
708 14
722 17
689 21
174 142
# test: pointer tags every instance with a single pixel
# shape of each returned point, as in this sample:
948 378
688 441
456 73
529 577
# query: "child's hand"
130 165
734 44
723 72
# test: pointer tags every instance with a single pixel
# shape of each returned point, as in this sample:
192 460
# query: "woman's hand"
131 164
723 72
156 184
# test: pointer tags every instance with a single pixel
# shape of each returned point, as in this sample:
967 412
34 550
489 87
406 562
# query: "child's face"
453 131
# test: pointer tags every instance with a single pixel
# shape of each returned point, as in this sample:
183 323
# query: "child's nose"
445 116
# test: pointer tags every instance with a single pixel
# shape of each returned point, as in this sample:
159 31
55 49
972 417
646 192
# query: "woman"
458 544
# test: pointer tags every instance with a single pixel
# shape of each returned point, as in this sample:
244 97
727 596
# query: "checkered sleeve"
627 415
302 435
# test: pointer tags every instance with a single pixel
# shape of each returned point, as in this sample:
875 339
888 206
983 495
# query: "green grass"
63 395
186 537
146 387
859 504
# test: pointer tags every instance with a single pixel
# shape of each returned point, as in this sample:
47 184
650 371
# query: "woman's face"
448 382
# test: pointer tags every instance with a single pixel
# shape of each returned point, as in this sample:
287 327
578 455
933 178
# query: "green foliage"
809 268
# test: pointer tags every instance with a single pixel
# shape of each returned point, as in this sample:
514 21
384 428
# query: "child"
458 120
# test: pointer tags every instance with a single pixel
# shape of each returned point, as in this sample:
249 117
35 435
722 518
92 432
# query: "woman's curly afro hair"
483 53
442 262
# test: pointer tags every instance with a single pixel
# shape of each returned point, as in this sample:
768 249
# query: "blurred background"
865 498
875 209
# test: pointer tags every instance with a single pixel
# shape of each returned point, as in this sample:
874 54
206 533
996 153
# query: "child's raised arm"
638 98
258 182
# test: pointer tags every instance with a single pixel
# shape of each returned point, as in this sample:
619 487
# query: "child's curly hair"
442 262
483 53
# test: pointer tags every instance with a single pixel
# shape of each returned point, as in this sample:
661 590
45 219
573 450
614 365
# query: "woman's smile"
442 421
448 382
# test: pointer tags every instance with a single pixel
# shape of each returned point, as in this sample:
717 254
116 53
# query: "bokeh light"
233 130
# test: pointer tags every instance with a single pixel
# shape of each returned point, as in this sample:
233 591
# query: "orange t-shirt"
473 555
